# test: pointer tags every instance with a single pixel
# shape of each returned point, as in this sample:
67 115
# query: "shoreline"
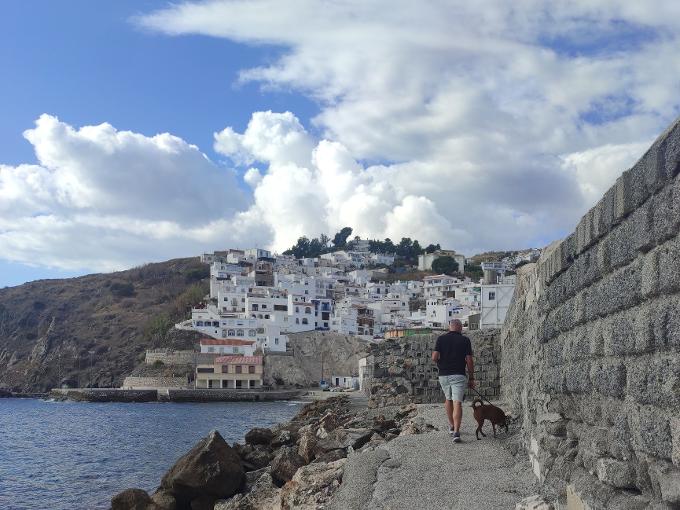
170 395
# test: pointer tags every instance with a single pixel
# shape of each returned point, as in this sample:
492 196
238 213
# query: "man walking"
452 353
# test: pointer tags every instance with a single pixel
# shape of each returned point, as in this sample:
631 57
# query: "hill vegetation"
93 330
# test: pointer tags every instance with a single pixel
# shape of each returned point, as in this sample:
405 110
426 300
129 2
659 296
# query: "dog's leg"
493 425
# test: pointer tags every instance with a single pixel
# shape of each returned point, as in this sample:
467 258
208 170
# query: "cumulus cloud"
499 126
106 199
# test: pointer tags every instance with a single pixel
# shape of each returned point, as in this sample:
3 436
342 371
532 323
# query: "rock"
535 502
282 437
616 473
331 456
307 446
253 476
132 499
312 486
285 464
164 500
264 495
259 436
257 458
210 470
344 438
380 424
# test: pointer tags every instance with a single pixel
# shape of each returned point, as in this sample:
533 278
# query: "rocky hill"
94 329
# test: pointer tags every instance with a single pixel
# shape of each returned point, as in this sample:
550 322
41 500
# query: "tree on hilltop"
340 239
445 265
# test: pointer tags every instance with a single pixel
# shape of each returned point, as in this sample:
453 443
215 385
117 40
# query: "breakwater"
170 395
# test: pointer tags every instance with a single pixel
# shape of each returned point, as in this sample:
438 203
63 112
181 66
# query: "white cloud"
505 122
106 199
477 127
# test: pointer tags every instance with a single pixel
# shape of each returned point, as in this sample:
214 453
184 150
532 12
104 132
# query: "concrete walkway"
430 471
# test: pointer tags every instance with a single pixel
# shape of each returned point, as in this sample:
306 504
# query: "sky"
137 131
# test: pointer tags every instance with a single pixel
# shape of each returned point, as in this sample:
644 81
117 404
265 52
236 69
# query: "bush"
121 289
197 274
158 364
446 265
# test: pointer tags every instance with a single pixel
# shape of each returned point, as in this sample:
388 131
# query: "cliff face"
94 329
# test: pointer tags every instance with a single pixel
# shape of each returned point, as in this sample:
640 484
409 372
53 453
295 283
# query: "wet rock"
312 486
259 436
210 470
132 499
285 464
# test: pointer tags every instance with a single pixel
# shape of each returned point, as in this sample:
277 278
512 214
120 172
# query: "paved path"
429 471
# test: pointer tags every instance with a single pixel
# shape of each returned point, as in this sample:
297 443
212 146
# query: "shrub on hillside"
122 289
446 265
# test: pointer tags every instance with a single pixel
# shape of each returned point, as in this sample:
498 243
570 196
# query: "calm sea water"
73 455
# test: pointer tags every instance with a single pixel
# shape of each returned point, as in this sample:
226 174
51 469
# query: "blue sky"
477 128
86 63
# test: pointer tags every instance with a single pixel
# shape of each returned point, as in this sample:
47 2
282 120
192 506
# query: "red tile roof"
226 341
240 360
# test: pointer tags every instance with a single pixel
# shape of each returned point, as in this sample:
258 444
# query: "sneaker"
450 430
456 437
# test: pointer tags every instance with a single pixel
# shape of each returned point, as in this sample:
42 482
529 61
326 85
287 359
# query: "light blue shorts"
453 386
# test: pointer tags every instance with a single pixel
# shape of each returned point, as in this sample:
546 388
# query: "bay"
77 455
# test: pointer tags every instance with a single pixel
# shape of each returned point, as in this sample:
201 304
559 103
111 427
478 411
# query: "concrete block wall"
401 371
145 383
591 346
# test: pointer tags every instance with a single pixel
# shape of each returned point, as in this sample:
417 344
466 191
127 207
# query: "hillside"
95 328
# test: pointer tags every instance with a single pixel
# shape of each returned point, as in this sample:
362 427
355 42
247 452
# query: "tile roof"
226 341
240 360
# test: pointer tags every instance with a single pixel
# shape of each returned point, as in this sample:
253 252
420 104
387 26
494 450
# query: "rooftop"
239 360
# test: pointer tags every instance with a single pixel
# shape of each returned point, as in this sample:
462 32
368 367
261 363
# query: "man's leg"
457 408
448 405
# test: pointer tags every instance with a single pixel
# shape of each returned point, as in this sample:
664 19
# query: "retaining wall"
145 383
170 357
591 346
400 371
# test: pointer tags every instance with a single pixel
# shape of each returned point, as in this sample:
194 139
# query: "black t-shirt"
452 348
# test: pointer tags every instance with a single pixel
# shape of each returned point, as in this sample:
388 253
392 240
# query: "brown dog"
488 412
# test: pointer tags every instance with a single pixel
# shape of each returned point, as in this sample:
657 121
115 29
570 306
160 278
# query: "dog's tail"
477 401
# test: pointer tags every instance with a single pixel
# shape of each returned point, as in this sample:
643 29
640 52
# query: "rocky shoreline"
294 465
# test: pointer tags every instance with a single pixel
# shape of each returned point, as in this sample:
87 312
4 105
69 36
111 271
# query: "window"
255 308
251 383
232 332
199 323
297 321
276 341
205 370
225 369
305 321
308 309
264 306
251 369
216 324
239 369
297 310
266 316
211 349
239 384
251 332
492 296
239 332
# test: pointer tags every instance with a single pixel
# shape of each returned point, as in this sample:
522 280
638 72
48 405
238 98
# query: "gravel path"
429 471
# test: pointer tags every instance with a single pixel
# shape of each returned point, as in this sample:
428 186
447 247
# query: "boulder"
255 457
164 500
312 486
282 437
285 464
132 499
307 446
264 494
210 470
344 438
331 456
259 436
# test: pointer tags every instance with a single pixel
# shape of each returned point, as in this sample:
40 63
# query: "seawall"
171 395
591 346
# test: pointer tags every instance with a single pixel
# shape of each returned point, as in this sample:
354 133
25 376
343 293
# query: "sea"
77 455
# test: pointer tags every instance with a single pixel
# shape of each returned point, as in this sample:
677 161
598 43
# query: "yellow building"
231 372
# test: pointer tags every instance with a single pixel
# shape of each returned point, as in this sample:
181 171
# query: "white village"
257 298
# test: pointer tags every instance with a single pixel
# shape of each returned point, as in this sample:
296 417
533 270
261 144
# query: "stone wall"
399 371
145 383
591 346
171 357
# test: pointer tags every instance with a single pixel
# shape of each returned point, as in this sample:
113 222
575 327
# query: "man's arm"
470 370
435 356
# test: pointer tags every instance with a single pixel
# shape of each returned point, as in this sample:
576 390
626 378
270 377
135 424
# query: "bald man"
452 353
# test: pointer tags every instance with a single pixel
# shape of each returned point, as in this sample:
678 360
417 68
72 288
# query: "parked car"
324 386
